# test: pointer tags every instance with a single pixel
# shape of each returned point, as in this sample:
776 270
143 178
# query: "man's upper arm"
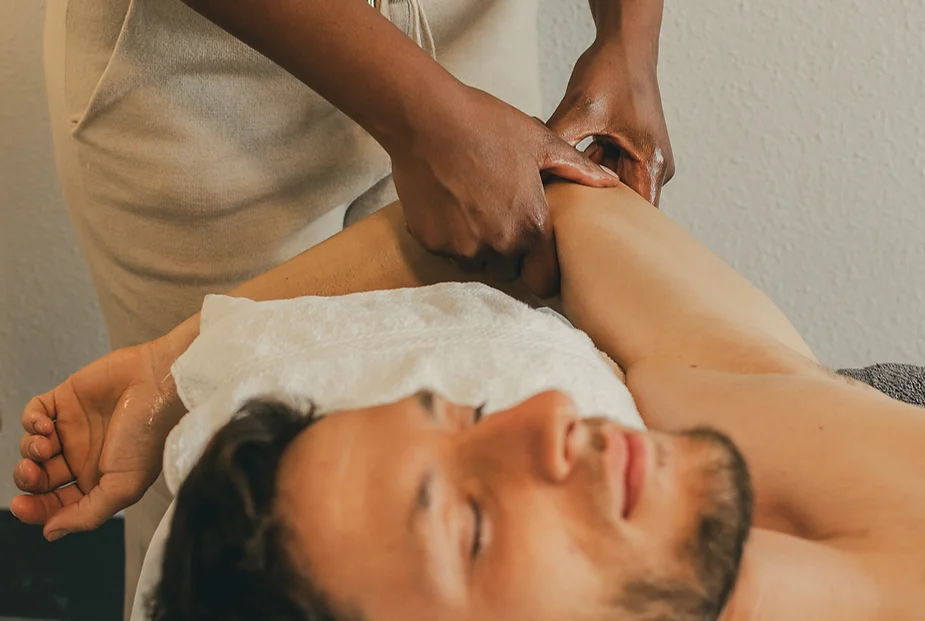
824 455
643 288
374 254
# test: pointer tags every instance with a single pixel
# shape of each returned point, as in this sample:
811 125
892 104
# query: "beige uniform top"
190 162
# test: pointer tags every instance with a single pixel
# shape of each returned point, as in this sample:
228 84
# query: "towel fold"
903 382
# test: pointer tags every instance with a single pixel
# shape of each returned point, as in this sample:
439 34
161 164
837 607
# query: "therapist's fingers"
567 162
34 478
502 268
595 153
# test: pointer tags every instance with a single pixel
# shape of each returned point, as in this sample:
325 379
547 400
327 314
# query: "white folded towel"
468 342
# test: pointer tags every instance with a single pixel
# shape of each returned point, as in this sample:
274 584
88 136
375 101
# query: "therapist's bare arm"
466 165
838 468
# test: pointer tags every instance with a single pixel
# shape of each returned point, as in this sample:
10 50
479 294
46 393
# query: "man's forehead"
349 489
349 461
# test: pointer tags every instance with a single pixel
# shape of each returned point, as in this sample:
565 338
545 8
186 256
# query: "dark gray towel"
904 382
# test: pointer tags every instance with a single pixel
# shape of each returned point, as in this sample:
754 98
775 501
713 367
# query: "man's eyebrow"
426 400
423 498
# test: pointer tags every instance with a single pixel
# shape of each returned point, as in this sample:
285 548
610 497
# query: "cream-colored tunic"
190 163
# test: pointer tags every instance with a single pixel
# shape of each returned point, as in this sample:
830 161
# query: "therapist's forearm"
632 25
346 52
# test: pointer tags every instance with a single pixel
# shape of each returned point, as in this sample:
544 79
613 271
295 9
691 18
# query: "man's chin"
725 520
698 578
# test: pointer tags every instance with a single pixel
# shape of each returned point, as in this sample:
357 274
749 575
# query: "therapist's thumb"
565 161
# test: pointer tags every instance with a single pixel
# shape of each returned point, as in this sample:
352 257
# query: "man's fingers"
29 509
41 478
37 417
39 448
41 508
88 512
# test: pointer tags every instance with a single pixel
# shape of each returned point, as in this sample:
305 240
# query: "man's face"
416 510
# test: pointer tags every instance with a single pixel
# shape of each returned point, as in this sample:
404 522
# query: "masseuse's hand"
93 445
470 179
613 95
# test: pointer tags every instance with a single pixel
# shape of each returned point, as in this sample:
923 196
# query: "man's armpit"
847 379
617 369
785 578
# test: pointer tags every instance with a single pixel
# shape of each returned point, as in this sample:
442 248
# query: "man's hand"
471 185
615 98
93 445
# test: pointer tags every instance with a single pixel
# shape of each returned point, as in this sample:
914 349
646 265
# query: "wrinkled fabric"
903 382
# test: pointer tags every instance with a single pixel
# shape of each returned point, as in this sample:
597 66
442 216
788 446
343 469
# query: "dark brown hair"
226 558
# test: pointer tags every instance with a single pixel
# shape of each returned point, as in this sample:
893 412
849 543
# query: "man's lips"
625 461
635 470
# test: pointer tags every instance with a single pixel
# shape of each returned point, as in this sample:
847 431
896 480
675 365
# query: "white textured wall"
49 318
799 136
799 132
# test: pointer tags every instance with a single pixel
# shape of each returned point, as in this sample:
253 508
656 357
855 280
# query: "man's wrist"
165 351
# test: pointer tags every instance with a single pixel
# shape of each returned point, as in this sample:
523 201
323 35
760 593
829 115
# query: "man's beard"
714 549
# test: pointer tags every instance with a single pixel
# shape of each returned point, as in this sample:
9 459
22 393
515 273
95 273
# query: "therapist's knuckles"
509 239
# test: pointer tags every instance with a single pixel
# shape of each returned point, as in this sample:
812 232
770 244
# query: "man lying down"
765 488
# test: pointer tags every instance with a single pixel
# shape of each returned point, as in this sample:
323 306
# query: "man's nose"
544 430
